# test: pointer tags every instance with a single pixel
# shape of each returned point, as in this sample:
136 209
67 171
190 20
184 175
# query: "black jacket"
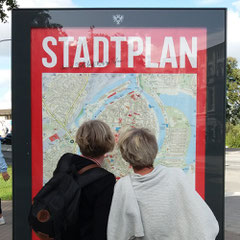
94 207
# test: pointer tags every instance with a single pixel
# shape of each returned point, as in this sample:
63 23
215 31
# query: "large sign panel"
163 69
133 77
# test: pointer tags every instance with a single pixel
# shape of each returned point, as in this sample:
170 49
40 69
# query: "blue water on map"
79 116
96 97
183 102
186 104
108 88
133 86
161 124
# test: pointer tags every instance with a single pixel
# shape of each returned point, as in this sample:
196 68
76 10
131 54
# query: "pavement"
232 194
232 200
6 230
232 218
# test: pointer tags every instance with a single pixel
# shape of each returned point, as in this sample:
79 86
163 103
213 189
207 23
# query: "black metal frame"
25 19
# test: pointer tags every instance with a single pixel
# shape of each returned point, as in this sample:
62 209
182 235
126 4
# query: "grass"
6 187
233 135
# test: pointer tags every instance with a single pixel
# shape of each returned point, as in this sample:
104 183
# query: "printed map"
164 103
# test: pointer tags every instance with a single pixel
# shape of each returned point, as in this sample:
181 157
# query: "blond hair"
95 138
138 147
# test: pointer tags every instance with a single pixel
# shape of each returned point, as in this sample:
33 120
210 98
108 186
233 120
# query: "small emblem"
118 19
43 215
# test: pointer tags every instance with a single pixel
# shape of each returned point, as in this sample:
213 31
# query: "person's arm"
5 176
102 208
202 221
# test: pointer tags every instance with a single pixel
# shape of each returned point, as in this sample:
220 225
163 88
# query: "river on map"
183 102
186 104
132 86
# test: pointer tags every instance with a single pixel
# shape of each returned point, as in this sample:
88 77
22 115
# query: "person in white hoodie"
156 203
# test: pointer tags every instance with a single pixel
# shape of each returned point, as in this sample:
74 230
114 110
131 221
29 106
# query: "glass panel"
161 69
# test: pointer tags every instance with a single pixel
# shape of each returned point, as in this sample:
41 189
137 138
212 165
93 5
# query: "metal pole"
5 40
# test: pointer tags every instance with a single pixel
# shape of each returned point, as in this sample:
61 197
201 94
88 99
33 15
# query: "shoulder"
180 180
101 187
173 175
178 173
122 183
108 176
65 159
64 163
124 180
66 156
173 171
107 179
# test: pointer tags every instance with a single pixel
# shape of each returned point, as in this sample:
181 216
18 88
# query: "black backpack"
56 206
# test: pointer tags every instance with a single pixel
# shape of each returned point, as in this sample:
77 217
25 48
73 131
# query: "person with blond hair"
156 203
94 139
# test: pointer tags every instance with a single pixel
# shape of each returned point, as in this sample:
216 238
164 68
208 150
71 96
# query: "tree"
6 5
233 91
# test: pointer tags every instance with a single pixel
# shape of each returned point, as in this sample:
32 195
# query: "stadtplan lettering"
136 47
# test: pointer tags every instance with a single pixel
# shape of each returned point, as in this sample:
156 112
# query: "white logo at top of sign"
118 19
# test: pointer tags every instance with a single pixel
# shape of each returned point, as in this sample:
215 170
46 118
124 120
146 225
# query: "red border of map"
157 37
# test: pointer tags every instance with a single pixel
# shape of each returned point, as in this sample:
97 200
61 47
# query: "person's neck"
143 171
97 160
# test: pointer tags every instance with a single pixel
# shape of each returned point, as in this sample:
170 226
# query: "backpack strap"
88 167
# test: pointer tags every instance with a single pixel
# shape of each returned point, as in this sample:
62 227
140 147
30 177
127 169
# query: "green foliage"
6 187
233 91
232 135
6 5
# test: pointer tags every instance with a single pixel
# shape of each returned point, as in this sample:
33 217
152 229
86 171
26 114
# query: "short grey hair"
138 147
95 138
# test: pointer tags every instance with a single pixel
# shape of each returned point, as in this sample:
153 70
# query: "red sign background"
157 39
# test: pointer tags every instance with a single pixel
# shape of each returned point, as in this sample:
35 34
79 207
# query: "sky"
233 23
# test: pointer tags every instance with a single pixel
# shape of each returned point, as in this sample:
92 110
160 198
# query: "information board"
128 70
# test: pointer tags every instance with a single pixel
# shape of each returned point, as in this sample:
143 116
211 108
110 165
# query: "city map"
164 103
